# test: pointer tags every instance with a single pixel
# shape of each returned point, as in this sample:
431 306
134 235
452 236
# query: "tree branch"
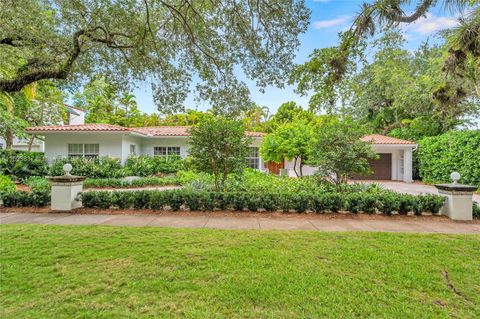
60 73
420 11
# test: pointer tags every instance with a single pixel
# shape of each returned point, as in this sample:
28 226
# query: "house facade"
96 140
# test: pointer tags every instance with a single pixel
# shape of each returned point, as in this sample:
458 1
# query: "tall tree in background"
105 103
380 15
39 103
397 88
166 42
287 113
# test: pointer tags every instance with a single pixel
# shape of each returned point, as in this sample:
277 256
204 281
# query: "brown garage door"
381 168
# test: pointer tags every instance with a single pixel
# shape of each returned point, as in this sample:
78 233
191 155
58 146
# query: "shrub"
430 203
21 164
25 199
6 184
454 151
38 183
476 210
118 183
187 177
407 203
353 202
102 167
388 203
327 202
144 165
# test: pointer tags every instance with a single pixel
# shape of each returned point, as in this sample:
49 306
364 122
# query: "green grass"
121 272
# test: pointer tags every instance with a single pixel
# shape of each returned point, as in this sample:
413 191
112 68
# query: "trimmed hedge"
476 210
385 202
36 198
141 182
441 155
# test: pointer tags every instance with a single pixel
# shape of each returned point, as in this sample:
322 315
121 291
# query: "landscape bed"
105 272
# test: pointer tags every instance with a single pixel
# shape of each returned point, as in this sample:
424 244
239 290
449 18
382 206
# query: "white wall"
307 170
56 144
126 142
77 119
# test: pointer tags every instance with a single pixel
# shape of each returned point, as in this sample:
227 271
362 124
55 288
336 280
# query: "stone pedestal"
458 205
64 191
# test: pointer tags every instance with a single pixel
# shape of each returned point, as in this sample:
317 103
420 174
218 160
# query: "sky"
328 17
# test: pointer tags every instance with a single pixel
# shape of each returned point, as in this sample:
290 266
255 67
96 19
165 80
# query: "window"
253 160
166 150
88 151
132 149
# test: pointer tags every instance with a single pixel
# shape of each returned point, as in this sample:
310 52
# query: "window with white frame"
88 151
166 151
253 160
132 149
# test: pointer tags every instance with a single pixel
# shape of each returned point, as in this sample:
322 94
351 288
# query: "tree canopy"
168 43
380 15
395 87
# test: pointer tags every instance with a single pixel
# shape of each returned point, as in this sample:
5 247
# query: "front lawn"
114 272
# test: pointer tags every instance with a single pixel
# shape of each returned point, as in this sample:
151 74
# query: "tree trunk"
30 142
9 139
295 166
301 166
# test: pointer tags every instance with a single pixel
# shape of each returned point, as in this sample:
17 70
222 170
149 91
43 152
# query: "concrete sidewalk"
279 223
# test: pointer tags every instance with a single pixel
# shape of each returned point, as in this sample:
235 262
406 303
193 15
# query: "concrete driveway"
415 188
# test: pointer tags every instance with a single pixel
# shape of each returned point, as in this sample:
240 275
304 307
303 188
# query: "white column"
407 165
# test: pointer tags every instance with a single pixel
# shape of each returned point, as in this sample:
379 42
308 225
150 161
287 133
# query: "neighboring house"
21 144
75 116
94 140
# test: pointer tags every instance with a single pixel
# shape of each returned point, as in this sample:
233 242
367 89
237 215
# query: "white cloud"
322 24
431 23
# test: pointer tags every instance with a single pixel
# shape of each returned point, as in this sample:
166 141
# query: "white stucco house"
94 140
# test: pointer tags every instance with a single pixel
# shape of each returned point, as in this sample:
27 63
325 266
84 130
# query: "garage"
381 168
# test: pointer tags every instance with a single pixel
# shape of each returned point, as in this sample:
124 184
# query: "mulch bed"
232 213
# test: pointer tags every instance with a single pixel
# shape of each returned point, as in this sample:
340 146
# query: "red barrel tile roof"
382 139
79 128
147 131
